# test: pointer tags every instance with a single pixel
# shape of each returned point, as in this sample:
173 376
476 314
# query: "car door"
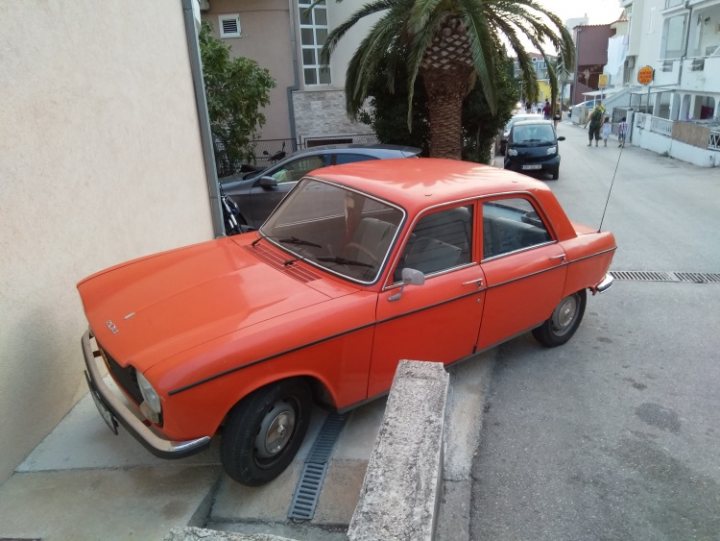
524 268
264 198
439 320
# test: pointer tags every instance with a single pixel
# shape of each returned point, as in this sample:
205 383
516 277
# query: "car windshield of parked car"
533 133
343 231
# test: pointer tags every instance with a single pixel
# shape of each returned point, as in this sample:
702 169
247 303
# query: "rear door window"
510 225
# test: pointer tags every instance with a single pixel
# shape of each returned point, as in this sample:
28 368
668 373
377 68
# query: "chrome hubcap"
565 314
275 430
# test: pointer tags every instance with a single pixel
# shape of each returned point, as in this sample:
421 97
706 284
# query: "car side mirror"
268 183
561 138
410 277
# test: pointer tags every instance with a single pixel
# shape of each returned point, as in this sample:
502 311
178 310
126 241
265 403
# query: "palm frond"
419 42
366 61
339 31
482 44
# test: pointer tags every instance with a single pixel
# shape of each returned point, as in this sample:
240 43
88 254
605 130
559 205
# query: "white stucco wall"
338 13
100 161
661 144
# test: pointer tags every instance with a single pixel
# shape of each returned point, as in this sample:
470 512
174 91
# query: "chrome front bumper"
114 410
605 284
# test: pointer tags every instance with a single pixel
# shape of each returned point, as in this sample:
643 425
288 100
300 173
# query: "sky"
598 11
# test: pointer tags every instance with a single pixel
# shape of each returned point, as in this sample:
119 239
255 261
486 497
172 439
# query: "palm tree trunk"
446 90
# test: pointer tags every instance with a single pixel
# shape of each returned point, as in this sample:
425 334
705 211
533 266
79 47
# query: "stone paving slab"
82 440
270 502
340 492
112 505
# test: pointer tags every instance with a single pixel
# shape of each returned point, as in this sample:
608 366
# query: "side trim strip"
318 341
368 325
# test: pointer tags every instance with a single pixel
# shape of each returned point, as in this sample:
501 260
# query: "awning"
654 90
605 92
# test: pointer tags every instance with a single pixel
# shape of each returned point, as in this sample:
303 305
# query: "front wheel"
264 432
563 322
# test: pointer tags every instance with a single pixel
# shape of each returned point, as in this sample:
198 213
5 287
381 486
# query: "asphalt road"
616 434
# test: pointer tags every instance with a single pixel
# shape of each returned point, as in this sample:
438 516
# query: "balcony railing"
662 126
714 140
673 3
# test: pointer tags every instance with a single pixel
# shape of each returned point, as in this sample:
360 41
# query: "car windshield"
533 133
346 232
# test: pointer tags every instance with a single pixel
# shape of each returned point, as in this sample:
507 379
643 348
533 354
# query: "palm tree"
451 45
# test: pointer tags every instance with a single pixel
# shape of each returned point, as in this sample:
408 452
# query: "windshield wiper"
344 261
299 242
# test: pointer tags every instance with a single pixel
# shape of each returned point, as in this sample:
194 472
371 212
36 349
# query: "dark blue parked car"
256 194
532 148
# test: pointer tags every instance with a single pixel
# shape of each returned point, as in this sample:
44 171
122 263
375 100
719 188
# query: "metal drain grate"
643 276
698 277
654 276
311 480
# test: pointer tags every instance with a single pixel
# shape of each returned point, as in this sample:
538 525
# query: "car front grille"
124 377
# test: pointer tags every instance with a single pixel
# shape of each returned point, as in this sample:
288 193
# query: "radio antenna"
612 183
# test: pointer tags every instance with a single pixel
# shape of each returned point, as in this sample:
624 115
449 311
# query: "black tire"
249 453
556 174
563 322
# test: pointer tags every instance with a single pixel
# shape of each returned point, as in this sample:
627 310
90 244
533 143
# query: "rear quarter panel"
589 257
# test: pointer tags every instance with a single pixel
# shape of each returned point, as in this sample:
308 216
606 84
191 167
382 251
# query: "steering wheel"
373 257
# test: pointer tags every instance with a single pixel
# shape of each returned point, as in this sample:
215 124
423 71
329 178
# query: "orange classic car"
360 266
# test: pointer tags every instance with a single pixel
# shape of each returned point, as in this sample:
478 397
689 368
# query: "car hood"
149 309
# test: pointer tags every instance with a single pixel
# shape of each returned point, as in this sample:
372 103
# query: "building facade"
591 53
307 106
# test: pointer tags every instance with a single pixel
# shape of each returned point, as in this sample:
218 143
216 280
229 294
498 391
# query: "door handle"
560 257
477 281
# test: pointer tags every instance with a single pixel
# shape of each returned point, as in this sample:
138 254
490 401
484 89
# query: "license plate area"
531 167
105 413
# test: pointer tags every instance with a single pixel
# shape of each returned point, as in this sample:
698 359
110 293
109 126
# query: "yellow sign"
602 80
645 75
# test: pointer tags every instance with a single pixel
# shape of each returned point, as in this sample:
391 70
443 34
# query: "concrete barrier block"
202 534
400 493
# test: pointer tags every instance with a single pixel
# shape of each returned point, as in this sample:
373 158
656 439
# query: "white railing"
662 126
714 140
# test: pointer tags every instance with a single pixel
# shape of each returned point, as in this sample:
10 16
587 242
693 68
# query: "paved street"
615 435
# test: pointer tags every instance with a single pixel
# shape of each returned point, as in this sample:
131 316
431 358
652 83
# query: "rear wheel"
563 322
264 431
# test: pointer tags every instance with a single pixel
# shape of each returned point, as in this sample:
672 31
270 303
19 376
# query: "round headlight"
512 152
152 399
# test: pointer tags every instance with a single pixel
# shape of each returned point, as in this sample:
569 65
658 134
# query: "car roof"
525 115
360 146
424 182
533 122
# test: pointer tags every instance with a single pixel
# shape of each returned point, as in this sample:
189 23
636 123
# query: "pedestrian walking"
557 114
547 110
595 121
606 129
622 132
